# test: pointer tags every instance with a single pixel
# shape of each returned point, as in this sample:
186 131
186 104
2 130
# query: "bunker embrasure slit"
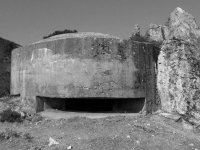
92 105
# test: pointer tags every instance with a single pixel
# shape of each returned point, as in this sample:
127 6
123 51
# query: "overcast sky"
27 21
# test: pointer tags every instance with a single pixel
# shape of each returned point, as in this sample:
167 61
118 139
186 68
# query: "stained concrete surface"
56 114
83 65
6 47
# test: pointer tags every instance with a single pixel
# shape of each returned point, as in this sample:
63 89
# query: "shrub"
10 116
60 32
8 133
28 137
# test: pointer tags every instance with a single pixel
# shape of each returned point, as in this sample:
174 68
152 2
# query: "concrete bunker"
85 66
93 105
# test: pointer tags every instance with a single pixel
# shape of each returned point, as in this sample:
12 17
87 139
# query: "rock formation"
157 33
182 25
178 79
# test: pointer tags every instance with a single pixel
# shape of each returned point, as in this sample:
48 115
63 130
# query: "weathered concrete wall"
5 64
81 65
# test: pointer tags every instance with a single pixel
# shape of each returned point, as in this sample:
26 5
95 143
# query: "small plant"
28 137
36 118
8 134
10 116
167 23
60 32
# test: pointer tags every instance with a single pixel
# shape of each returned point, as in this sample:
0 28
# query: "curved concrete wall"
80 65
5 65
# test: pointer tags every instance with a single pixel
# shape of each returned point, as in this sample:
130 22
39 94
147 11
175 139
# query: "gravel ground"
78 132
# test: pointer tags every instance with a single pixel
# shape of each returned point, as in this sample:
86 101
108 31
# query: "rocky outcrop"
5 60
182 25
157 33
178 79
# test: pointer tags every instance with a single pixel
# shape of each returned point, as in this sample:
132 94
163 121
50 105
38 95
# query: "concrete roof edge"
77 35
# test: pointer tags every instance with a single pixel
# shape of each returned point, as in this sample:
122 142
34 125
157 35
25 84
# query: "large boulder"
178 80
182 25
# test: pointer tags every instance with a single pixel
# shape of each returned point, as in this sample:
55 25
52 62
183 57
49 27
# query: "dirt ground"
103 132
